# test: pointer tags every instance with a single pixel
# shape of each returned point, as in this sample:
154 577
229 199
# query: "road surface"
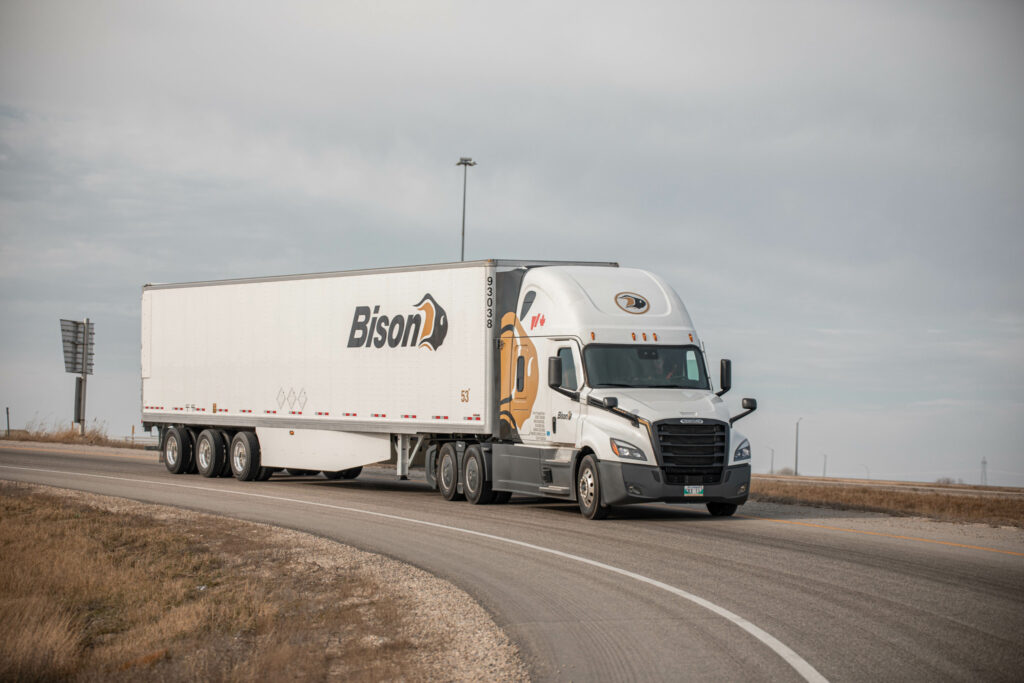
659 592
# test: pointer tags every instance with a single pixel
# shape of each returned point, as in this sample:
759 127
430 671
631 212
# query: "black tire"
225 468
245 456
474 477
177 449
300 473
722 509
351 472
588 489
192 469
265 473
448 473
333 475
210 453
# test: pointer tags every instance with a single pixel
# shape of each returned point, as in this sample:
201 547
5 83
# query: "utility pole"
465 163
8 422
984 468
824 468
772 471
796 450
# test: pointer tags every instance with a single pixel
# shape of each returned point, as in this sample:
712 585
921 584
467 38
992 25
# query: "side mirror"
611 402
554 372
725 375
749 406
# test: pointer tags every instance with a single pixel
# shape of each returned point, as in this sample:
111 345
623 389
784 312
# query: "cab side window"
568 370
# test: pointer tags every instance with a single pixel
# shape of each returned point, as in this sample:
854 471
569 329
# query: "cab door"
563 414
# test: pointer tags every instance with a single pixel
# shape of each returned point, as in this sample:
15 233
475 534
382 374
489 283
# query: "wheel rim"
204 454
472 475
588 487
447 472
238 457
171 451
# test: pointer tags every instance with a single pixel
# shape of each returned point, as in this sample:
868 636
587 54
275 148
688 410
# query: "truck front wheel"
588 490
245 456
474 481
177 450
448 473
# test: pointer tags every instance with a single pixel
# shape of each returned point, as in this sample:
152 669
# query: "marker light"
634 336
645 336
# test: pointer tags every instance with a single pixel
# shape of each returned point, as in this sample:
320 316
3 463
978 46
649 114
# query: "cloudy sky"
835 189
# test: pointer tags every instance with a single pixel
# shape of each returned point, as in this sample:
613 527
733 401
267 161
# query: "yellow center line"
884 535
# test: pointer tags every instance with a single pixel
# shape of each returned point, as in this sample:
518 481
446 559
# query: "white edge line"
799 664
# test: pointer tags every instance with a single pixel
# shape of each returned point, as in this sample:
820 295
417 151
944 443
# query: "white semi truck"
580 381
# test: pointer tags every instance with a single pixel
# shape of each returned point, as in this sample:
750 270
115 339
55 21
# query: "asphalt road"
657 593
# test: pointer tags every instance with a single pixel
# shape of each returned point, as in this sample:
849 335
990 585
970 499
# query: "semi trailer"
578 381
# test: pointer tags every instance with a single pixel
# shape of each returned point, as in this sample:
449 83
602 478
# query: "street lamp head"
466 161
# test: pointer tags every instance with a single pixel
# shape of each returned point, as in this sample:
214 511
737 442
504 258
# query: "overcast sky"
835 189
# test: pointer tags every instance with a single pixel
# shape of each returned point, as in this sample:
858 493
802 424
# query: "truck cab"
605 397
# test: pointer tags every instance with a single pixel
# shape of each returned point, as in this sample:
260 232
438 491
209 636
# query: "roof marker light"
634 336
655 336
645 336
591 336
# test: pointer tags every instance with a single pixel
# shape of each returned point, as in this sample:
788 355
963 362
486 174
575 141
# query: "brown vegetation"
95 435
925 500
93 594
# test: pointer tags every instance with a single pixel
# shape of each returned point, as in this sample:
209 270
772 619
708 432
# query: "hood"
662 404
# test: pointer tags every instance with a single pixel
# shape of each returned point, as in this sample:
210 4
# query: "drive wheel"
245 456
448 473
722 509
177 450
474 479
588 490
351 473
502 497
210 453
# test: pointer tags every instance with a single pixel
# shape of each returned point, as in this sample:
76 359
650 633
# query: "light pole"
465 162
824 467
772 471
796 450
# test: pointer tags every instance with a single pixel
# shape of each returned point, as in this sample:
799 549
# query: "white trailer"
504 376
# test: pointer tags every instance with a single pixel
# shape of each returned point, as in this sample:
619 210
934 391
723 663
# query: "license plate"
693 490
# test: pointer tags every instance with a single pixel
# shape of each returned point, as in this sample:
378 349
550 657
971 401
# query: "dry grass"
95 435
954 506
90 594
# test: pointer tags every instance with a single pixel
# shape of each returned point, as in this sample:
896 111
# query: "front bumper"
623 484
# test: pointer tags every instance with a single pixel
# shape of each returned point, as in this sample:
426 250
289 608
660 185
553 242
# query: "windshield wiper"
602 386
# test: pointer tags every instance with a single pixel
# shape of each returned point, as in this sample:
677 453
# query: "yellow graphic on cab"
520 375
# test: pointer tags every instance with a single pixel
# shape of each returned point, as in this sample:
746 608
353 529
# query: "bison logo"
426 329
435 329
632 303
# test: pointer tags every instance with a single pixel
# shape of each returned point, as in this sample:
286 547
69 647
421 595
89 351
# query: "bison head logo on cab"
426 329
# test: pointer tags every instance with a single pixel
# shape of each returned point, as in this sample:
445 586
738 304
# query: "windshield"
670 367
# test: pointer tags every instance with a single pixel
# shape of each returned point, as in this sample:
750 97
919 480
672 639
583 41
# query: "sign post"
79 343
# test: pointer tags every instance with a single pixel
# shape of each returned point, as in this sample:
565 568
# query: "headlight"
742 452
627 450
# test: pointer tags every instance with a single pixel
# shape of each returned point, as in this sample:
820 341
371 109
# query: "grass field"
95 435
953 503
94 594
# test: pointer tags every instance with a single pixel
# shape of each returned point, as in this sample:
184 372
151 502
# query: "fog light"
742 489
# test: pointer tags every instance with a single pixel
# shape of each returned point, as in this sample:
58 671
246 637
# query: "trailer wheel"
211 451
474 478
245 456
177 449
722 509
588 490
225 467
448 473
265 473
333 475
